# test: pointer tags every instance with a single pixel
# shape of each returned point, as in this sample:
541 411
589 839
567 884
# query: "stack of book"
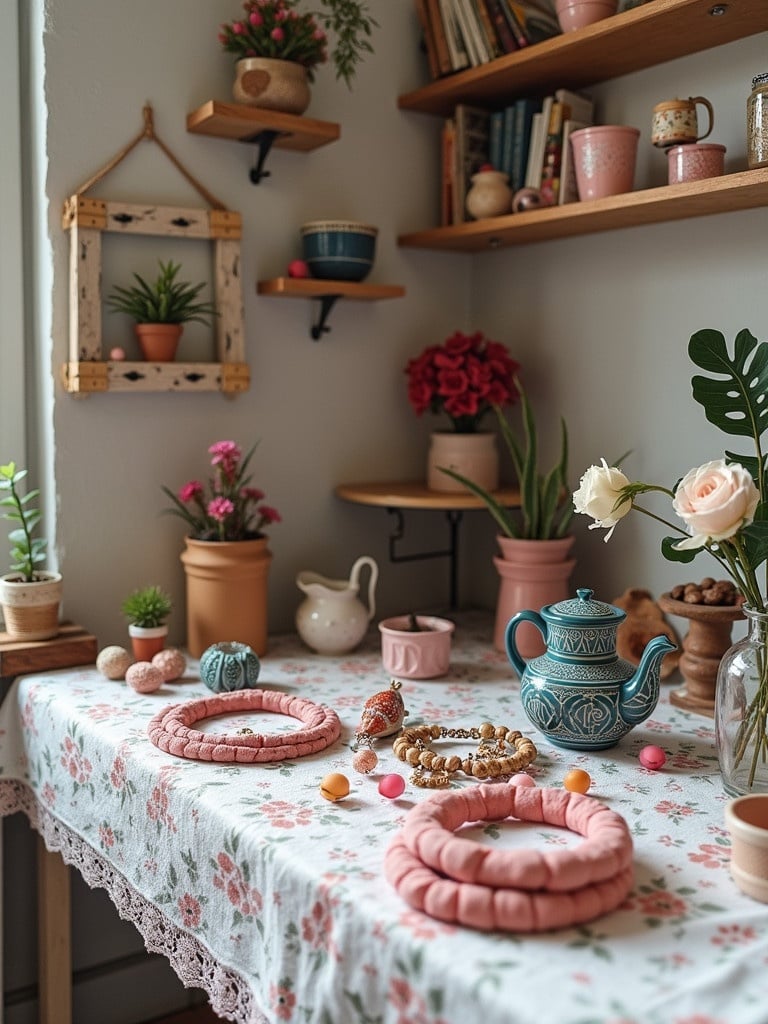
527 140
461 34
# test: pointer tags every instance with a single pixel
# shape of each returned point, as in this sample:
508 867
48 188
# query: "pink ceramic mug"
695 161
604 159
746 818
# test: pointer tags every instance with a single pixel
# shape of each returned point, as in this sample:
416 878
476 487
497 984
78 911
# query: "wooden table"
397 496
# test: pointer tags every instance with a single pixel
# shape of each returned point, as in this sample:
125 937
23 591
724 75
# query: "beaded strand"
413 746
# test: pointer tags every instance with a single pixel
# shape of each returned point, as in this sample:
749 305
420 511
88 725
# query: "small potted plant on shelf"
160 310
535 566
147 610
278 47
29 595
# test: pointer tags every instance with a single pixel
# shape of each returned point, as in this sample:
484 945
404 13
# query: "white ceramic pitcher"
332 619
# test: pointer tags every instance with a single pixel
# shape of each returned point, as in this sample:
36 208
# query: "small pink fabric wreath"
461 881
170 729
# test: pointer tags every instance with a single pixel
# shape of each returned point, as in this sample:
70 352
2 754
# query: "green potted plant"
535 566
277 48
147 610
29 595
160 309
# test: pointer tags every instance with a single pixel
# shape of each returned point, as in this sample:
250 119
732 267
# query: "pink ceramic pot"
695 161
604 159
746 818
408 654
576 14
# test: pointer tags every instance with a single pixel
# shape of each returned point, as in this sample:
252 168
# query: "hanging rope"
148 132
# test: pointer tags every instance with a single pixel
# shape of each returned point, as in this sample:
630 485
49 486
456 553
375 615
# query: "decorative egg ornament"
334 787
653 758
577 781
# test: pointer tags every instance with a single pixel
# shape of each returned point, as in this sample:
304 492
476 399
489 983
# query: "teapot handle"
353 579
509 637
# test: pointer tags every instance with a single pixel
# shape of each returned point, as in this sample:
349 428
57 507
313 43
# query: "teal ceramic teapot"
580 694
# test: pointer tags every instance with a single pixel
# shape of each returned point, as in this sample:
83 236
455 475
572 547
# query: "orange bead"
577 781
334 786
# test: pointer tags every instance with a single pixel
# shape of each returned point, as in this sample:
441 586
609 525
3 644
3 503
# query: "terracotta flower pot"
226 593
158 342
147 641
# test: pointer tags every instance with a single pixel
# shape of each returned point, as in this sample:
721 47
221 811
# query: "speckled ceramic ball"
365 761
143 677
522 779
171 663
113 662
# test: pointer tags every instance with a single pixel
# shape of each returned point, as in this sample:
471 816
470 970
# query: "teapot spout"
640 693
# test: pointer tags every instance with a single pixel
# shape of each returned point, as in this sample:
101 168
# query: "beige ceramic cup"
746 818
675 122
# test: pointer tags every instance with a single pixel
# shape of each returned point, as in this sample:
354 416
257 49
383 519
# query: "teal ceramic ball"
229 666
338 250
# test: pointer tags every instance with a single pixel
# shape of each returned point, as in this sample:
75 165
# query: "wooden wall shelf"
659 31
743 190
327 292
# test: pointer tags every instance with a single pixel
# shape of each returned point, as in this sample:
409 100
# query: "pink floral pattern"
287 889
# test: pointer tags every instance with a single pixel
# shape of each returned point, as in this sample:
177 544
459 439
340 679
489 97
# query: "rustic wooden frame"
86 371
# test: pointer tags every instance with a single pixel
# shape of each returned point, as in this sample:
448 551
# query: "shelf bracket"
264 141
454 517
320 328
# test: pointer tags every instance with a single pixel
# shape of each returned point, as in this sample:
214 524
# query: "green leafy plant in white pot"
535 564
30 596
147 610
160 309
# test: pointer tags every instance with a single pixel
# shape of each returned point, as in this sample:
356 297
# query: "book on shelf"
447 143
553 155
453 37
438 34
538 143
466 18
569 192
471 151
504 34
496 143
494 47
507 140
523 111
538 21
514 24
580 106
428 38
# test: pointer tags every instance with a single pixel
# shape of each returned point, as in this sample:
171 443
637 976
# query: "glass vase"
741 710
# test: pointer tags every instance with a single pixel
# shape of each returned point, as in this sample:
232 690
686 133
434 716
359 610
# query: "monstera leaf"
736 403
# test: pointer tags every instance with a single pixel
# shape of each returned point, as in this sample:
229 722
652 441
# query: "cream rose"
715 501
599 490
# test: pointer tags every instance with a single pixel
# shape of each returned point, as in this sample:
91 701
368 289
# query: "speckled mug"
675 121
695 161
604 159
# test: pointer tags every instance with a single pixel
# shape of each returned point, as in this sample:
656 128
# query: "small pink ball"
522 779
365 761
171 663
653 758
117 354
298 268
143 677
392 786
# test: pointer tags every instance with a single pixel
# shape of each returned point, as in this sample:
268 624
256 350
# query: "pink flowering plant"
227 508
277 29
464 378
722 504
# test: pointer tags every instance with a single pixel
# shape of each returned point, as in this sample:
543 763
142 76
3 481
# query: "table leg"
54 942
454 518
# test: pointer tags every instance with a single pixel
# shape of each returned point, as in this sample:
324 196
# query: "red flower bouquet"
464 377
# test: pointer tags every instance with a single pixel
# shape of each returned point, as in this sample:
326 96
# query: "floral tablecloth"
274 900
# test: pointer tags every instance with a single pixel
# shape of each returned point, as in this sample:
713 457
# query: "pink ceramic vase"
604 159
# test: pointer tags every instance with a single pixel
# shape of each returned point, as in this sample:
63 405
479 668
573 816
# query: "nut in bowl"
338 250
416 646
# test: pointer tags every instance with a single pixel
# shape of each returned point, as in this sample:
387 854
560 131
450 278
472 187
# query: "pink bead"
522 779
365 761
117 354
392 786
653 758
143 677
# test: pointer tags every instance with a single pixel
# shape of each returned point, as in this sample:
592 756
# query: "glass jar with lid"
757 123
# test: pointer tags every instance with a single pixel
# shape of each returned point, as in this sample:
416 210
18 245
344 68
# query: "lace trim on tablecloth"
196 967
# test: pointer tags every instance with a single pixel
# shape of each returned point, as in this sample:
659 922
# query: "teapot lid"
583 610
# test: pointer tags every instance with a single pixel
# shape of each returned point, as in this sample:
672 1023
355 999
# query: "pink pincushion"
457 880
170 729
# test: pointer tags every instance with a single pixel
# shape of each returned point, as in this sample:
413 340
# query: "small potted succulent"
29 595
160 309
146 610
277 48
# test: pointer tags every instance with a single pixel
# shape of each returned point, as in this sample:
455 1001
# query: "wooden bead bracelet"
488 762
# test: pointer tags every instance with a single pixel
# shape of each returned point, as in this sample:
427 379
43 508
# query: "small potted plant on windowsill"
29 596
160 310
146 610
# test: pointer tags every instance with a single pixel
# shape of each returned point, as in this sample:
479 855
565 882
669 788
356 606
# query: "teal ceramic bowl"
337 250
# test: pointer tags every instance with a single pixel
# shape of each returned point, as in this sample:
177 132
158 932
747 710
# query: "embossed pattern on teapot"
580 694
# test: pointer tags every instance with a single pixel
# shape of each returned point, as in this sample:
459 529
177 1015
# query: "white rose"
715 501
599 490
